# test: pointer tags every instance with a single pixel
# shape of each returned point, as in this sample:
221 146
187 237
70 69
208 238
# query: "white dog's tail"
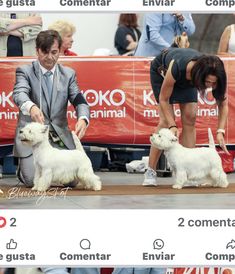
77 142
211 139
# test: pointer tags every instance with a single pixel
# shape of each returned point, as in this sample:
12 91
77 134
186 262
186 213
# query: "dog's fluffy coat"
53 165
190 164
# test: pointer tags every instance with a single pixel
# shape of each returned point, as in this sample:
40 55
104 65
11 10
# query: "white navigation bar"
117 237
198 6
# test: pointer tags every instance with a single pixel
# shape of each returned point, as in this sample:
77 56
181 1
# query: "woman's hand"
221 142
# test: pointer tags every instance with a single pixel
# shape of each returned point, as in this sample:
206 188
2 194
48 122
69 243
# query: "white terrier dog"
53 165
190 164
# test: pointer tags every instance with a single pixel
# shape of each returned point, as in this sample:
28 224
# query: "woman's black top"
183 91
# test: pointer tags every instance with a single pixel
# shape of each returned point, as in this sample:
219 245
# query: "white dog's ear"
45 129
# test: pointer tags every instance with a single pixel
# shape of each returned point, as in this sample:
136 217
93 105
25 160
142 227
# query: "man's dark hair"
46 39
210 65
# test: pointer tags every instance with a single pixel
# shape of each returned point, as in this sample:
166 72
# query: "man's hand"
179 16
175 131
80 128
221 142
37 115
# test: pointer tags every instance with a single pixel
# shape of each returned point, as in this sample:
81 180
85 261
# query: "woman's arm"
222 119
8 25
223 113
30 32
165 94
132 44
15 33
224 40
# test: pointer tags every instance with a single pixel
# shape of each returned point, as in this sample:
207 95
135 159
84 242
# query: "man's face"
49 59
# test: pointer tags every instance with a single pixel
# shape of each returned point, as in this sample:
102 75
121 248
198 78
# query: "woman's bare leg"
154 155
188 118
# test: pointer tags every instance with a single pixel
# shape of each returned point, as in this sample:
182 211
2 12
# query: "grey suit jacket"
65 88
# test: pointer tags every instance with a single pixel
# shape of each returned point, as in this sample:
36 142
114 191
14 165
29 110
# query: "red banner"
118 90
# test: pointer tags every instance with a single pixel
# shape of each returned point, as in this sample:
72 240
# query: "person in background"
42 92
18 32
27 270
159 31
89 270
135 270
66 30
176 77
227 41
127 35
76 270
55 270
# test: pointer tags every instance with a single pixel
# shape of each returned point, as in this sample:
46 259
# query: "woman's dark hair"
210 65
46 39
128 20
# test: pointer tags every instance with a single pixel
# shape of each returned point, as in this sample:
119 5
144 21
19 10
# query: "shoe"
150 177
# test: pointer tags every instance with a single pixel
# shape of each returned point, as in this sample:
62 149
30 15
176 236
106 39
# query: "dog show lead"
177 74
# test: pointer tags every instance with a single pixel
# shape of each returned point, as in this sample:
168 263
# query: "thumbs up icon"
11 245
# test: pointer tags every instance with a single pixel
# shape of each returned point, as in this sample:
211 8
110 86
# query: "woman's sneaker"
150 177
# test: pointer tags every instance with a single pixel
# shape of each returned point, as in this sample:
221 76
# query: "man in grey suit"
42 92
